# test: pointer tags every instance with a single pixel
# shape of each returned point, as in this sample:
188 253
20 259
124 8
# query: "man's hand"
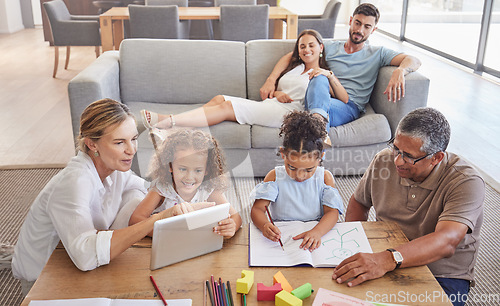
267 90
282 97
396 88
362 267
312 240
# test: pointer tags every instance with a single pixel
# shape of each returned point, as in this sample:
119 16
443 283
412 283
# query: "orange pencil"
158 290
272 222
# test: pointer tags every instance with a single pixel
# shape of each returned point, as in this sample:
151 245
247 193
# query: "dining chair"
154 21
324 24
244 22
201 29
216 23
71 30
184 24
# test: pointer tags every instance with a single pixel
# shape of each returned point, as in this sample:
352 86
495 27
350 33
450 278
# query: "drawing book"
344 240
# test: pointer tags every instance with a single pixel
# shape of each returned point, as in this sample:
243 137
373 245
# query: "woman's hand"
183 208
319 71
282 97
226 227
312 240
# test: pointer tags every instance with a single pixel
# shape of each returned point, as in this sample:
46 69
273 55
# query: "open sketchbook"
110 302
344 240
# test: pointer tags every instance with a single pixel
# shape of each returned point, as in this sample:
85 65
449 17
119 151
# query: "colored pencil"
228 302
272 222
157 290
210 294
230 293
221 296
216 292
204 294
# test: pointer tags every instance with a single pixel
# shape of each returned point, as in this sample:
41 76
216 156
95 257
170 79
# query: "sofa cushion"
370 128
181 71
261 56
229 134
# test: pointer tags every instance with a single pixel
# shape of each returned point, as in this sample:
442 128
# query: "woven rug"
20 187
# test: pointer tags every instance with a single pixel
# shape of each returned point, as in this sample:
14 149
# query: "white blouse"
78 209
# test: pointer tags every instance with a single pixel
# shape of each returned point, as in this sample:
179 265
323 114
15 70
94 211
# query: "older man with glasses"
434 196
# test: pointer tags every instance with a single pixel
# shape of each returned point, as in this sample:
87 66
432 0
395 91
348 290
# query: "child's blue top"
298 201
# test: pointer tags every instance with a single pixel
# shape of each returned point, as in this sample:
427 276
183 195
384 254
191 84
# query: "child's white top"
172 197
298 201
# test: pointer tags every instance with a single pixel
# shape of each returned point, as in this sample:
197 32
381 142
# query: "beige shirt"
453 191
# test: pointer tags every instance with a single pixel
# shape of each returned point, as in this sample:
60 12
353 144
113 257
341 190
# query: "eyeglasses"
404 155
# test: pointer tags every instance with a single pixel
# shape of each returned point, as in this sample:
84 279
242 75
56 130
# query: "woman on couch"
307 62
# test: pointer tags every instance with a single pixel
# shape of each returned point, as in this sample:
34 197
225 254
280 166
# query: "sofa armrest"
417 90
98 81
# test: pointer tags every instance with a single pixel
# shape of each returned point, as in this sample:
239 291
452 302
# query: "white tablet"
186 236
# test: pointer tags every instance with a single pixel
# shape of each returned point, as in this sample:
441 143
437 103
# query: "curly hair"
302 132
199 141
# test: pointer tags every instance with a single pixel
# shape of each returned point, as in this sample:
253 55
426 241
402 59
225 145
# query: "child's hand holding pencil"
271 232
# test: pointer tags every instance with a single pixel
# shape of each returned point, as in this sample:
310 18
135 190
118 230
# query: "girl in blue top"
301 190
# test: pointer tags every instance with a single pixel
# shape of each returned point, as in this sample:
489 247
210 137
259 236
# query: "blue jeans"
318 100
456 289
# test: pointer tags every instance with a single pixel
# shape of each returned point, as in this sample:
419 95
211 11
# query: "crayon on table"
157 290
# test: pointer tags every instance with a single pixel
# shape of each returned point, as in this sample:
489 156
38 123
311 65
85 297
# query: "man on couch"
356 65
434 196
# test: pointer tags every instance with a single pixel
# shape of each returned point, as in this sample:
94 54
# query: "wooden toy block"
245 283
265 293
285 298
280 278
303 291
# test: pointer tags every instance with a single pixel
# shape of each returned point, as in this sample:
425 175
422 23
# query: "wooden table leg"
278 29
291 26
117 33
106 33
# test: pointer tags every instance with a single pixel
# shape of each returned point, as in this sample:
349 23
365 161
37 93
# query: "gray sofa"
171 76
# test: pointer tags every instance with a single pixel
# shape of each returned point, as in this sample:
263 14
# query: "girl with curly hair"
188 167
301 190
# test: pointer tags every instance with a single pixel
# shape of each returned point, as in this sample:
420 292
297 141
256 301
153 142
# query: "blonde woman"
87 205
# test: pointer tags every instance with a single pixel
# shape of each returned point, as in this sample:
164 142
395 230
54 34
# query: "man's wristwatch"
398 258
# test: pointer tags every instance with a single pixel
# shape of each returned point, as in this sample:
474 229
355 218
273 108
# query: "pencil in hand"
272 222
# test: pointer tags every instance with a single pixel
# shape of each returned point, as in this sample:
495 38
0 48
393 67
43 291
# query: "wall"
10 16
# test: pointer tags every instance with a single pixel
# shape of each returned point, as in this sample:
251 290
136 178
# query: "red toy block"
265 293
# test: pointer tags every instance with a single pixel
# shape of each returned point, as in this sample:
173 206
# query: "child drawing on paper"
301 190
188 168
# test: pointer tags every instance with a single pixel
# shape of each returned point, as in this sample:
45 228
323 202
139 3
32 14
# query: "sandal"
157 136
149 119
327 142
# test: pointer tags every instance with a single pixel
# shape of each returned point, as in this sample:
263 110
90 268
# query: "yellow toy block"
285 298
280 278
245 283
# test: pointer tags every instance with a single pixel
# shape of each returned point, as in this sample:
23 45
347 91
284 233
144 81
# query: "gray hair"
429 125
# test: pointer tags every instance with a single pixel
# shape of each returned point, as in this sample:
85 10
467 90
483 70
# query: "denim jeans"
318 100
456 289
